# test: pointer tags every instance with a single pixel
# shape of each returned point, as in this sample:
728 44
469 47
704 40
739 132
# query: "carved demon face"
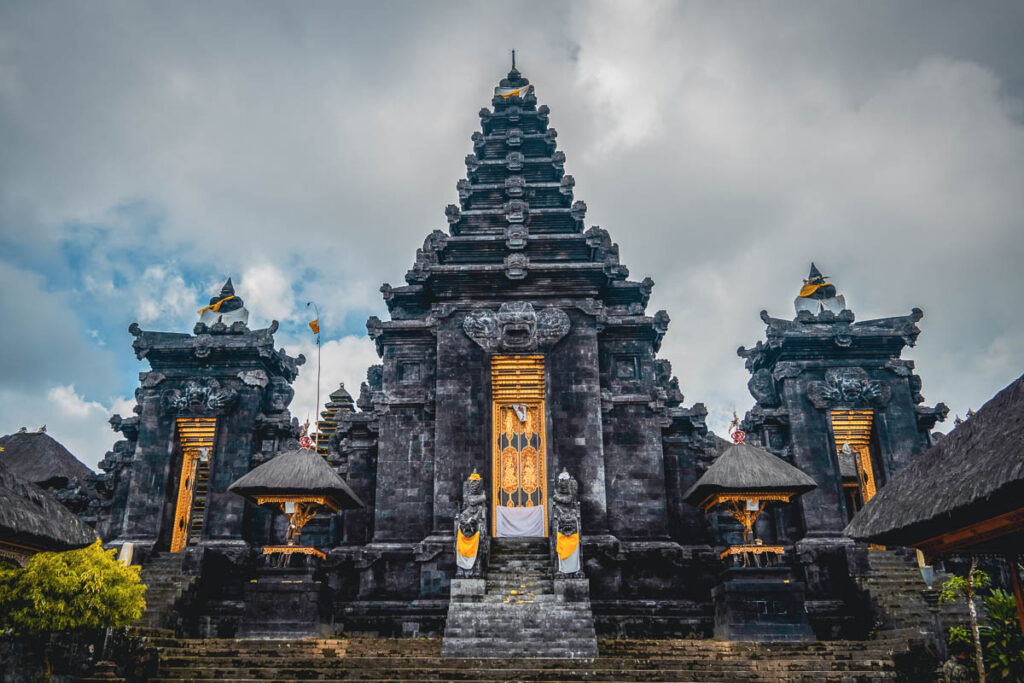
567 525
475 485
517 323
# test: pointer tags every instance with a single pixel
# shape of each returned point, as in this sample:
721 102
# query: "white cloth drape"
526 521
571 564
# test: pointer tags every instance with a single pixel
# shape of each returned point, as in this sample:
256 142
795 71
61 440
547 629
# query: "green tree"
957 587
78 590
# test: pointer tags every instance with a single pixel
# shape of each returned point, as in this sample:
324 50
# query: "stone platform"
519 610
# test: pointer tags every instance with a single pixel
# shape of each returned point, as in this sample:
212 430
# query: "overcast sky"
148 150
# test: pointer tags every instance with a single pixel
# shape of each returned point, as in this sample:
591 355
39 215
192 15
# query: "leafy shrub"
78 590
1004 644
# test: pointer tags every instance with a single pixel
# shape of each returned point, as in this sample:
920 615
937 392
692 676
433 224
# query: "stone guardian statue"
566 527
470 528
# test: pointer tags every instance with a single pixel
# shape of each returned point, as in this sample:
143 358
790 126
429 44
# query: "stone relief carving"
516 266
199 396
514 161
279 395
515 186
762 388
848 386
566 185
516 211
516 235
516 326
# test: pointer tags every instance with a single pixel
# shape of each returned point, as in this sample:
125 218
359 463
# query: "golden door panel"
519 462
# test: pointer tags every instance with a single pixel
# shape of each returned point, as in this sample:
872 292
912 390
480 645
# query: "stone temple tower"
835 399
214 405
518 347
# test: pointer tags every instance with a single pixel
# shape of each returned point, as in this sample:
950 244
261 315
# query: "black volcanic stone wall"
462 420
574 419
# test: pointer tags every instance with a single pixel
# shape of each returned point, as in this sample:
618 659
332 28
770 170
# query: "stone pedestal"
284 603
760 604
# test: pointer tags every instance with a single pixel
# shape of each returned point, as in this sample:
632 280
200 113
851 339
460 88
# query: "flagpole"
316 408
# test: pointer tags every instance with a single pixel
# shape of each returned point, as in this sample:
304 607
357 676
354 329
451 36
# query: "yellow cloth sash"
566 544
467 545
807 290
215 307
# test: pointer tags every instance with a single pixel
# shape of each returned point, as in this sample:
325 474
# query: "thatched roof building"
965 493
31 520
39 458
748 469
299 473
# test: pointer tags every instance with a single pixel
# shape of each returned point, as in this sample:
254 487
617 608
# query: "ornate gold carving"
528 479
194 434
293 550
753 550
509 470
519 468
854 427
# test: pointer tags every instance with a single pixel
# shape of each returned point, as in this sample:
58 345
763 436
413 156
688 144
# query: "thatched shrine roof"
748 469
300 473
32 518
972 479
40 459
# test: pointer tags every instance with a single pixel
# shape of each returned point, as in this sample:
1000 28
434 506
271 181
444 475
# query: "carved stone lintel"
848 387
516 326
200 396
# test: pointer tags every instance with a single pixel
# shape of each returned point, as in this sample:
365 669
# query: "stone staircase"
165 586
903 602
419 660
519 610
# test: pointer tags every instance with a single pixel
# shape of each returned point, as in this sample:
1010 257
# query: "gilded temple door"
195 441
519 460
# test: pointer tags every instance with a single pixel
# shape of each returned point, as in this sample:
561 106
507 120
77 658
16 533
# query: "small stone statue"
470 527
566 527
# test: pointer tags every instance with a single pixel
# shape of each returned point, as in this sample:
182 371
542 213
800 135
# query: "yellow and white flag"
506 93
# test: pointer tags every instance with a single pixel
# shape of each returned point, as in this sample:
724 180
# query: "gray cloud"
723 145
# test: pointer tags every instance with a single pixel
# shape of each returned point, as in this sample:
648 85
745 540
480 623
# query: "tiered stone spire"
517 225
339 403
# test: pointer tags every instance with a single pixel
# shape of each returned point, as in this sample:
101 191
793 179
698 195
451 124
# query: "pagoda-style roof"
300 474
40 459
517 229
743 468
30 518
964 493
